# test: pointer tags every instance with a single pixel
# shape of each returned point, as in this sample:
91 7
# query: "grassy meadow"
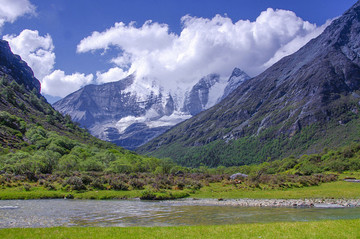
317 229
337 190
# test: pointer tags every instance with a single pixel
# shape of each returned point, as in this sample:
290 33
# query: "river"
124 213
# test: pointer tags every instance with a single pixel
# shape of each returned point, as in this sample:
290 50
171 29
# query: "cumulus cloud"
60 84
38 52
10 10
151 36
204 46
159 57
296 44
113 74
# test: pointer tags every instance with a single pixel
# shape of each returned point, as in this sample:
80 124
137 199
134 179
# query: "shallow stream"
121 213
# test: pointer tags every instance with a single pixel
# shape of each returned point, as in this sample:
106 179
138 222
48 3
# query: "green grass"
339 189
42 193
317 229
34 193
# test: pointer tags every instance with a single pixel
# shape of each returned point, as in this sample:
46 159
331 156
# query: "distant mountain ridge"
304 102
129 115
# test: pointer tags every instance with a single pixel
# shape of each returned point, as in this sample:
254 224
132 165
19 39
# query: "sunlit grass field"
337 190
318 229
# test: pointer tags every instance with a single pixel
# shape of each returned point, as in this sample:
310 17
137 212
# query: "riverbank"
331 190
339 190
247 202
315 229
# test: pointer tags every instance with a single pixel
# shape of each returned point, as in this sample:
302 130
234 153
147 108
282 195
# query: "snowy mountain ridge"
130 112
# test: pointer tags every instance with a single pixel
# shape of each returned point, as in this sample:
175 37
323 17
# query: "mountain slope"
22 105
36 139
130 114
302 103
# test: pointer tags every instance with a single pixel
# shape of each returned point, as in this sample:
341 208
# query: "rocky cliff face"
236 79
198 98
289 108
13 67
129 115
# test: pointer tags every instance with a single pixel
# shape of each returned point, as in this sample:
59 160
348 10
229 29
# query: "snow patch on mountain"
216 92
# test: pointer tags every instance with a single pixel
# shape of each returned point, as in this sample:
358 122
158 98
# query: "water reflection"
121 213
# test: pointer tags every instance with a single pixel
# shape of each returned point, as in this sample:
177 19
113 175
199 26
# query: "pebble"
317 203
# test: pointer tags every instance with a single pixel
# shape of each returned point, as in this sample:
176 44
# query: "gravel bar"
317 203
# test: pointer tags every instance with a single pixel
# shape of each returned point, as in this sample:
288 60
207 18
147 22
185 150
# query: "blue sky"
62 25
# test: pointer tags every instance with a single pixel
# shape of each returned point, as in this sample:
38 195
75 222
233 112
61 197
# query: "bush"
180 185
137 184
35 134
86 179
46 161
12 121
91 164
116 184
75 183
307 168
68 163
97 184
148 195
50 187
119 166
27 187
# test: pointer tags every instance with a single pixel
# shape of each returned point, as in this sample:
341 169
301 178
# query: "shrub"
148 195
50 187
180 185
86 179
68 163
354 164
12 121
116 184
97 184
91 164
307 168
27 187
46 161
35 134
119 166
163 182
75 183
137 184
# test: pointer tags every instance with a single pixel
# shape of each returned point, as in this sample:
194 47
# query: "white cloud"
113 74
204 46
295 44
10 10
151 36
160 57
60 84
36 50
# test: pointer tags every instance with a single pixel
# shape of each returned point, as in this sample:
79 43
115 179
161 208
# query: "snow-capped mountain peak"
130 112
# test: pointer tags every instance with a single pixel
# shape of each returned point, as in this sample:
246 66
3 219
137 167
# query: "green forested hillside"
35 138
